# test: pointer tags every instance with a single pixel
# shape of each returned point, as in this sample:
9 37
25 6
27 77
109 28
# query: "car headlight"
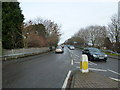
94 55
106 55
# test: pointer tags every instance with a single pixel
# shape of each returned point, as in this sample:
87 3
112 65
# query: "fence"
15 53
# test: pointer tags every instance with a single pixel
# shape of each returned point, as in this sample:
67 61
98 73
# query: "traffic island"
91 80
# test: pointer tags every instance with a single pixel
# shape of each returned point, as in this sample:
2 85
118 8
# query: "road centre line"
66 81
72 62
114 79
113 71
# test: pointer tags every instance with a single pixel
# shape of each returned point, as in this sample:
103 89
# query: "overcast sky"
70 14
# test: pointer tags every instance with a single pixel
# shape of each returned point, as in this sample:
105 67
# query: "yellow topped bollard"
84 64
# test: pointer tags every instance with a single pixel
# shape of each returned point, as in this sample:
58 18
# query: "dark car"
94 54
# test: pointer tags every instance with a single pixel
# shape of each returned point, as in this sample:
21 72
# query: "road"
50 70
109 68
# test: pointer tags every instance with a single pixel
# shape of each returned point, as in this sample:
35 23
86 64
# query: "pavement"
91 80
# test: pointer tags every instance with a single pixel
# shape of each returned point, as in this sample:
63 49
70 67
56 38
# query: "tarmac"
92 80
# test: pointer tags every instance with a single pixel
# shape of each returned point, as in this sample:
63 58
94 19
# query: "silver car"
59 49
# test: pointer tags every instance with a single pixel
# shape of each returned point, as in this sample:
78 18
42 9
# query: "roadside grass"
112 54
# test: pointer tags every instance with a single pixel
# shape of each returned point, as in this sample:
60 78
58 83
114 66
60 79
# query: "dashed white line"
113 71
76 62
75 59
93 63
114 79
72 62
66 81
90 64
77 67
76 55
97 69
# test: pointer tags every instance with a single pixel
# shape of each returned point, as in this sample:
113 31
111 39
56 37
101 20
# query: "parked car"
59 49
71 47
95 54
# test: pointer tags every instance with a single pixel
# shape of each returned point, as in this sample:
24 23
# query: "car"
59 49
95 54
68 46
62 46
71 47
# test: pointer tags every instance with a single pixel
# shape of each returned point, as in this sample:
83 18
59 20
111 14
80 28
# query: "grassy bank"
112 54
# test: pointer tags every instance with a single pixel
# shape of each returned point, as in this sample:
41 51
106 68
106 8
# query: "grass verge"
111 54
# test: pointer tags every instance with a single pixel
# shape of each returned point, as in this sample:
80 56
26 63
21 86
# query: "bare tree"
96 35
114 32
91 36
43 31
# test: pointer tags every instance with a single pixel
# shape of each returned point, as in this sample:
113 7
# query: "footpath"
91 80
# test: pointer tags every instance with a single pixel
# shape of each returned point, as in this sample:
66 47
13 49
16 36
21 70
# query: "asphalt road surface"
50 70
109 68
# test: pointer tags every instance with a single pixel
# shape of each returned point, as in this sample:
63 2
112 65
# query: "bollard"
84 64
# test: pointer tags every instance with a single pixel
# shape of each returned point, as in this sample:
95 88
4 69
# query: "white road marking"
97 69
75 59
114 79
76 62
93 63
90 64
113 71
66 81
77 56
77 67
72 62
